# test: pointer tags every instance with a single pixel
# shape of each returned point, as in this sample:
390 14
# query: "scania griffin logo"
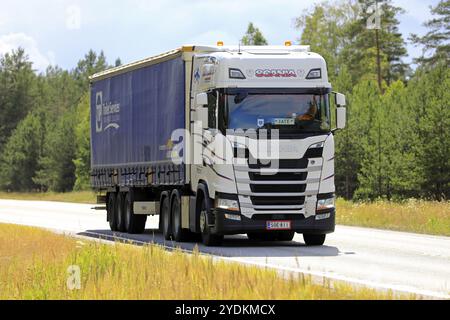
275 73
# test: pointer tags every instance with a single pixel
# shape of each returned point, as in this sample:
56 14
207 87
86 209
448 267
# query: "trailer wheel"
134 224
111 211
165 216
120 212
179 234
208 239
314 239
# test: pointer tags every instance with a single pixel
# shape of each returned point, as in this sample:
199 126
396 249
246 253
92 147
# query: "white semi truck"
218 140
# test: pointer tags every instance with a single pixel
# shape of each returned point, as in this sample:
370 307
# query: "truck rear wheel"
165 216
134 224
208 239
179 234
111 211
120 212
314 239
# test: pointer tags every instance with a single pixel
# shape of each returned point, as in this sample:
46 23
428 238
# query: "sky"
61 32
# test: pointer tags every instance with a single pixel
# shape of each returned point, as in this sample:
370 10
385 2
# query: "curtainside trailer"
217 141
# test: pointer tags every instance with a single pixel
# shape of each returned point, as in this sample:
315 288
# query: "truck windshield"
286 112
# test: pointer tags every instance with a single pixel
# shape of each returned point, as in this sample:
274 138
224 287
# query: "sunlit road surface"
399 261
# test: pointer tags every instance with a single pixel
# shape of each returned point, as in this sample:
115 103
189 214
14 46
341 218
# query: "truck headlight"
227 204
324 204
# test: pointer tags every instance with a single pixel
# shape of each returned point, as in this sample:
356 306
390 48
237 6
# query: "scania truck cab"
256 153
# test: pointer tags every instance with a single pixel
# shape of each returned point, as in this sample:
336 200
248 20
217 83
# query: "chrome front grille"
266 190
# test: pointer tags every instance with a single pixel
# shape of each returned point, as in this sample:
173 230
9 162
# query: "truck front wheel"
134 224
179 234
208 239
314 239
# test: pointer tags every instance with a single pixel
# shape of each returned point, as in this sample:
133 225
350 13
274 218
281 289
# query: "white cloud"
12 41
73 17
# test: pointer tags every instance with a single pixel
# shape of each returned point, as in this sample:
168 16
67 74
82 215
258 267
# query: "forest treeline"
396 144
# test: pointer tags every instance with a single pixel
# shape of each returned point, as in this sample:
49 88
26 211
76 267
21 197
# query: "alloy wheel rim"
202 221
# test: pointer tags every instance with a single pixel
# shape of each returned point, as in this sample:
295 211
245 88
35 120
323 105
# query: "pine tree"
376 52
253 37
19 160
83 147
435 42
323 28
347 151
429 95
363 126
91 64
399 136
56 168
17 91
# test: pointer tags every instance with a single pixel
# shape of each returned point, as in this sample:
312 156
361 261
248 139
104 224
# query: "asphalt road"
400 261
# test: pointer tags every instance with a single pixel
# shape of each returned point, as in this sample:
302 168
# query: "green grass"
75 197
34 262
428 217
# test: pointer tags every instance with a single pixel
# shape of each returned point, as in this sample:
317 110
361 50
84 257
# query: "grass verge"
75 196
34 263
428 217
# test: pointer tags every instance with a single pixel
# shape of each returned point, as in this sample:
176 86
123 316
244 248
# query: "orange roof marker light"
288 43
220 43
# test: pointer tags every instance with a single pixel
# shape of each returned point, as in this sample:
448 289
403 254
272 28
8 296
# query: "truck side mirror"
202 99
340 99
341 117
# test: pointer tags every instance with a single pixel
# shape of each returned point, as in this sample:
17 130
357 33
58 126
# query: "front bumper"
310 225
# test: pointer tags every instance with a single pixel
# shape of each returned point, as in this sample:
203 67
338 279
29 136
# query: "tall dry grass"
430 217
33 265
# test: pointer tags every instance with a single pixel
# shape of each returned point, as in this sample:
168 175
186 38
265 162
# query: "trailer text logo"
107 114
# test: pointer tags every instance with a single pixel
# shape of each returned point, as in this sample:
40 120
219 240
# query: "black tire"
314 239
285 235
134 224
120 212
179 234
111 208
208 239
166 224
